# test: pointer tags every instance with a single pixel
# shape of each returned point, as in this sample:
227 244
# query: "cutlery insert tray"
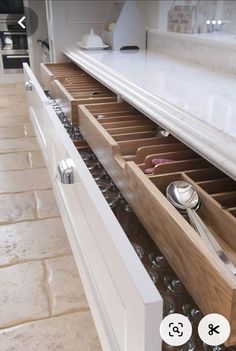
71 86
142 162
52 71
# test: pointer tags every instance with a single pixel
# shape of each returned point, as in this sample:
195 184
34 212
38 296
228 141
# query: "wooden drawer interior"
71 86
142 162
52 71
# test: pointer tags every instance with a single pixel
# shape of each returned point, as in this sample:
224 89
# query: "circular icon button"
214 329
175 329
27 22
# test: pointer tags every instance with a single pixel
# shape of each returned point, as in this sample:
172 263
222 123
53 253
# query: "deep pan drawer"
71 86
125 304
130 161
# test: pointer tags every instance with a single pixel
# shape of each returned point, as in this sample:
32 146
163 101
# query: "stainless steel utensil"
185 198
160 133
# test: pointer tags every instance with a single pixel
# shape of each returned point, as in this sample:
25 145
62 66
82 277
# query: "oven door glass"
14 63
14 40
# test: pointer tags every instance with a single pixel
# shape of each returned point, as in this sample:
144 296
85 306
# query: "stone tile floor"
42 301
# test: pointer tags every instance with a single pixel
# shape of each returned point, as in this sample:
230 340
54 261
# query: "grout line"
20 169
30 160
28 220
25 131
34 260
36 211
12 138
23 169
17 150
21 323
25 322
47 278
23 137
24 191
73 310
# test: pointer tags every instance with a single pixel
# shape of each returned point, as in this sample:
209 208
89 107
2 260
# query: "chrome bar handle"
28 86
66 171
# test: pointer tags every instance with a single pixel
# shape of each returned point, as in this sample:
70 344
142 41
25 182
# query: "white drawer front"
37 101
126 306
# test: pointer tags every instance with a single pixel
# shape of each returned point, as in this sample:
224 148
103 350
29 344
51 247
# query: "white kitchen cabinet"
126 306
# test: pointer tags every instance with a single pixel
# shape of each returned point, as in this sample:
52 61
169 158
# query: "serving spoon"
185 198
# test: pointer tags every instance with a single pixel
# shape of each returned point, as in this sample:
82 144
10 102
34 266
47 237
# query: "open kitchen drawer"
125 304
71 86
142 160
52 71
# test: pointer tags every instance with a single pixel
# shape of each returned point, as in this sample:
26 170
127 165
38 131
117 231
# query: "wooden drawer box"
71 86
52 71
125 142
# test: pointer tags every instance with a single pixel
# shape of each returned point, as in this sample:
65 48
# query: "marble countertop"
196 104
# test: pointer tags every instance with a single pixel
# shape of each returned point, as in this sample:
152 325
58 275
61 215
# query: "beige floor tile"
22 97
12 132
21 109
13 121
9 112
24 180
46 204
20 89
17 207
65 287
23 294
8 101
28 129
36 159
73 332
33 240
14 161
19 144
7 89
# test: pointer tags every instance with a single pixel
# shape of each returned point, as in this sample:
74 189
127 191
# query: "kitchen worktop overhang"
194 103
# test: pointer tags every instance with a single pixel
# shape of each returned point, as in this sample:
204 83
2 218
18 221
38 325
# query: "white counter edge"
212 144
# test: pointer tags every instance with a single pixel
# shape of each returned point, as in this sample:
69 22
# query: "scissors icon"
213 329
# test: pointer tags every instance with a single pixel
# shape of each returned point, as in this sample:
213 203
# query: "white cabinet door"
125 304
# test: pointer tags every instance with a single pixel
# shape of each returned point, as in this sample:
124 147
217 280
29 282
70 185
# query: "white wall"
149 11
164 6
70 20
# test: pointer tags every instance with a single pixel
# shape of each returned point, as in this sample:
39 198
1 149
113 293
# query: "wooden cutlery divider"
52 71
71 86
126 142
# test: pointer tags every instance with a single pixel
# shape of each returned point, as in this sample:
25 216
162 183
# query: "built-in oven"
13 60
14 46
13 40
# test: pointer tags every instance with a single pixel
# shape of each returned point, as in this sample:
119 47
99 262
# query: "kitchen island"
194 103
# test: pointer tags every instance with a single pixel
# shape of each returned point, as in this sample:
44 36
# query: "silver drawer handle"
66 171
28 86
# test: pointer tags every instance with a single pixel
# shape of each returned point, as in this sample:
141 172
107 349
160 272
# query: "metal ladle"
185 198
